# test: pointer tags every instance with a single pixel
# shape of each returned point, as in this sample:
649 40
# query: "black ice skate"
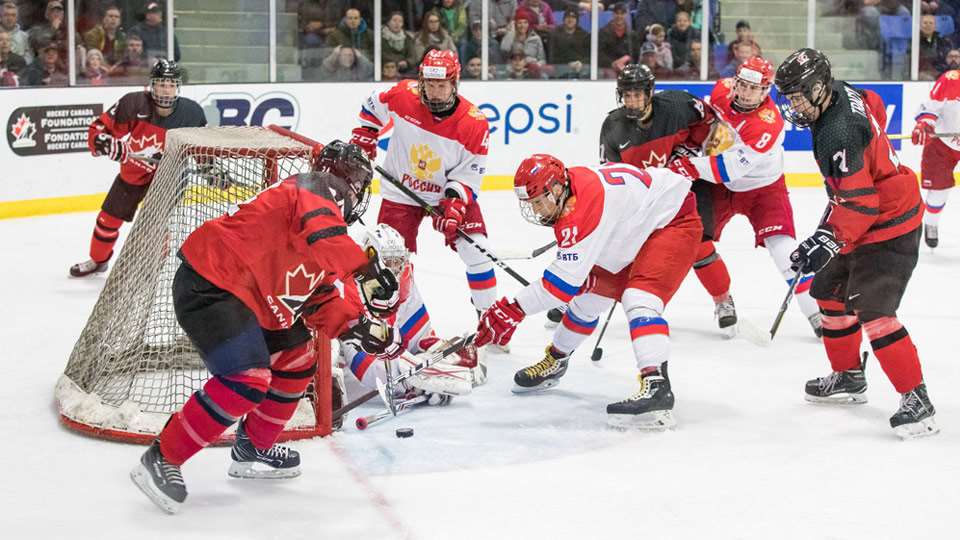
159 480
840 387
278 461
650 408
543 375
914 419
554 316
726 314
87 267
930 235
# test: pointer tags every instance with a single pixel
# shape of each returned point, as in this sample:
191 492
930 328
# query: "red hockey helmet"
536 182
439 65
752 84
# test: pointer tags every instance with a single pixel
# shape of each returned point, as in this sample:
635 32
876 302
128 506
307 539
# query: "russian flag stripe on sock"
804 284
645 326
578 325
483 280
558 287
935 209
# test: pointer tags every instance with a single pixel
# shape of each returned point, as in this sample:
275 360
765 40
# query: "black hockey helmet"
635 77
806 71
349 163
165 70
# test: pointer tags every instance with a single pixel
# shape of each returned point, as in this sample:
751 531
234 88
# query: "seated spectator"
20 44
658 36
744 35
154 33
8 78
9 60
107 37
396 45
432 35
569 49
317 18
616 43
501 15
93 72
690 70
47 68
352 32
741 53
654 12
650 58
933 48
519 68
523 37
453 17
472 45
951 61
472 69
680 35
346 64
389 71
868 22
51 30
544 22
937 7
134 67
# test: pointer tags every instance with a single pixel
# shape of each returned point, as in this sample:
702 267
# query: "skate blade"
141 478
651 421
729 332
838 399
249 470
545 385
917 430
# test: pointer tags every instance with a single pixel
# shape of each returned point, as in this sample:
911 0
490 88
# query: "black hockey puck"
404 432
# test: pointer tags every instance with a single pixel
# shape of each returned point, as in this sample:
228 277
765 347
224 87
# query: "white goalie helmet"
390 247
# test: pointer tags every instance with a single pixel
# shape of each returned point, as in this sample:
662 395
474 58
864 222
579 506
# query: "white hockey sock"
480 275
935 200
779 247
649 331
580 320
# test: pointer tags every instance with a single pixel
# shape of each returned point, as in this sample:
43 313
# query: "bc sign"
240 109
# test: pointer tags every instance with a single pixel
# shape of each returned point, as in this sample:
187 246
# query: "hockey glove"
815 252
366 139
498 323
373 336
378 288
684 167
450 217
922 132
106 145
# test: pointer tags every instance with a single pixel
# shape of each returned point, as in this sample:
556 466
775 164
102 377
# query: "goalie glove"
372 336
107 145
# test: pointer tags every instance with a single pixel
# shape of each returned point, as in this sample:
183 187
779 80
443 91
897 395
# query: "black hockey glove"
107 145
373 336
379 288
815 252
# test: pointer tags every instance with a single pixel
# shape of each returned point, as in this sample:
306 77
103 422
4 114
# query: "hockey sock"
935 201
649 331
895 351
779 247
712 271
105 235
573 330
291 373
210 411
841 335
480 276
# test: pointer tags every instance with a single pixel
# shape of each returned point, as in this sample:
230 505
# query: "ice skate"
931 235
649 409
554 316
914 418
840 387
543 375
88 267
278 461
726 314
816 322
160 481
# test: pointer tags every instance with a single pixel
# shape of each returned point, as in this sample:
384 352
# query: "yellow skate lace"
542 366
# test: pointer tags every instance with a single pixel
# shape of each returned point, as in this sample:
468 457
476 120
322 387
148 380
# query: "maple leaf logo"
424 162
300 284
23 131
655 160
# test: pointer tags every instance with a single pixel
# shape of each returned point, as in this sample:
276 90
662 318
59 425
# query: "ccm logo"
770 229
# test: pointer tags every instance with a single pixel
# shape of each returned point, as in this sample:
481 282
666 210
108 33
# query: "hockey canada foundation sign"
34 131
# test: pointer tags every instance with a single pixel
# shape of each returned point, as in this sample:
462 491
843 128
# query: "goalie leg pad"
292 372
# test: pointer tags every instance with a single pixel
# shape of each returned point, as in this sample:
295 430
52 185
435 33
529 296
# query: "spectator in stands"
654 12
744 35
107 37
519 67
389 71
936 7
8 78
453 17
650 58
680 35
47 68
18 38
134 67
93 72
544 23
569 49
51 30
658 36
154 33
396 45
352 32
525 38
432 35
9 60
346 64
868 22
317 18
501 15
933 48
472 45
690 70
472 69
951 61
741 53
617 46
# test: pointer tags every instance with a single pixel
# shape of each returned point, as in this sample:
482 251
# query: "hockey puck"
404 432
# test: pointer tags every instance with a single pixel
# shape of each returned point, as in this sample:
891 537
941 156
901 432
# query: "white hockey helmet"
389 246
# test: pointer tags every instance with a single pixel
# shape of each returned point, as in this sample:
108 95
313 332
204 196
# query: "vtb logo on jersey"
300 284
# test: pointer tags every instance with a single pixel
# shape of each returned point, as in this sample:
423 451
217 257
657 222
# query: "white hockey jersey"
428 155
755 159
943 107
611 212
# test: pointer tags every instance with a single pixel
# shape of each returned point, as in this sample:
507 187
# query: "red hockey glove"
366 139
106 145
451 215
498 323
684 167
922 132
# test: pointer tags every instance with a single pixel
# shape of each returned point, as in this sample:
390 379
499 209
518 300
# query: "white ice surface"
749 458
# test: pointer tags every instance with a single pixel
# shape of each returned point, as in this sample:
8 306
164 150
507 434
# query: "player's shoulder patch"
767 115
952 75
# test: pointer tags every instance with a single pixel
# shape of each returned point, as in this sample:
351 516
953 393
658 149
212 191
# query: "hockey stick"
597 351
429 210
898 136
785 305
518 256
364 422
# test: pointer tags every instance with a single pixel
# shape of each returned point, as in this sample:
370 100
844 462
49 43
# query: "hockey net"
133 365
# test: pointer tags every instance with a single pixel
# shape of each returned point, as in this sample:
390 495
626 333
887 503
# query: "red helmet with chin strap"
439 65
538 175
758 71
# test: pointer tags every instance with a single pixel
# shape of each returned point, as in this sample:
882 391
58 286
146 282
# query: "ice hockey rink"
749 457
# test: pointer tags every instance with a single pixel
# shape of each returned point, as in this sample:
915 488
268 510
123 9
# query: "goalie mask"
542 185
348 162
439 65
165 80
803 86
389 246
633 78
752 84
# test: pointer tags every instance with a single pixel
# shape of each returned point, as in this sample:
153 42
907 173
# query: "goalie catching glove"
378 286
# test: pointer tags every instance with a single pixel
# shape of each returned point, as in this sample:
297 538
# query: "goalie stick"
402 405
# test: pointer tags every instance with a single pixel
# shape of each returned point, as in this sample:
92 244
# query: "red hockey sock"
292 371
712 271
210 411
105 235
841 335
895 351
